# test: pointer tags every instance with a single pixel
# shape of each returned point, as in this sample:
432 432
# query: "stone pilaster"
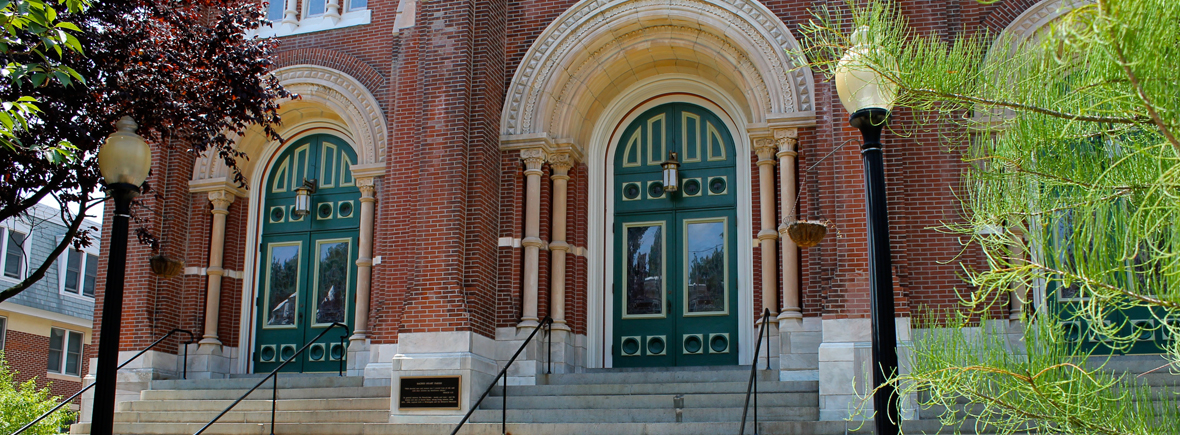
561 164
533 159
221 200
787 140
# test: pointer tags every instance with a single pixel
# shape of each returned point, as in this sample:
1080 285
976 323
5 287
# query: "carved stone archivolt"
739 35
335 91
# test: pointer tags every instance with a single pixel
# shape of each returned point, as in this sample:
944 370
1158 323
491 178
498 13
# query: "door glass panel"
282 300
644 270
331 280
705 260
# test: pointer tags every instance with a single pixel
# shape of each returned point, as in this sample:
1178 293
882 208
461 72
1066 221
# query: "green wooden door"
675 280
1138 327
307 266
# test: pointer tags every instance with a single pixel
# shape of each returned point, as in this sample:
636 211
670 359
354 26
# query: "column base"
210 361
358 355
460 353
209 343
528 323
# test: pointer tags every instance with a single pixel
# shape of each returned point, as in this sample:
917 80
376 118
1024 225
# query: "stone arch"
1028 26
328 98
598 49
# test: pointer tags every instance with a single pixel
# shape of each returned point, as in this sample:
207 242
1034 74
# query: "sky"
95 212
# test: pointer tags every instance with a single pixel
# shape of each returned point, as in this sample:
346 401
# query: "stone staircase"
306 405
687 401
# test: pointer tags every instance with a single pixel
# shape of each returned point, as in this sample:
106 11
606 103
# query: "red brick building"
480 166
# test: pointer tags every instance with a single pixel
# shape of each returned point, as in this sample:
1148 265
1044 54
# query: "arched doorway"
675 292
307 264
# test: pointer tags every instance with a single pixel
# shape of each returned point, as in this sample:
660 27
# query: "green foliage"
24 403
31 30
1073 185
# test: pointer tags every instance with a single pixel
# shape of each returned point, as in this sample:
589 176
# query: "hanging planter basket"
166 267
807 234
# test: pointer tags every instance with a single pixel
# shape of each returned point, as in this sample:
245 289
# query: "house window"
80 273
315 7
65 352
14 254
358 4
3 331
275 9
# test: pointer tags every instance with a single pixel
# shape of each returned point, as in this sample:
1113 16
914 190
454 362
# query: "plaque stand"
433 366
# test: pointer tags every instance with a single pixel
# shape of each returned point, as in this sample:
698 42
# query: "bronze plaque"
439 392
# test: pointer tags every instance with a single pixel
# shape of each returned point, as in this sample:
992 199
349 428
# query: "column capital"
786 139
221 200
561 163
367 186
765 149
533 159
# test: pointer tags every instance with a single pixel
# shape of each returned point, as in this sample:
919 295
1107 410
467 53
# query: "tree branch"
51 186
1035 109
1155 116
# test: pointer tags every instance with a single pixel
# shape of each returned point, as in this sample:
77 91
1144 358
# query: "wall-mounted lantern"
303 198
671 173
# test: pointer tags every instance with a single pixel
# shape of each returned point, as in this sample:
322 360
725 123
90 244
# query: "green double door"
675 275
307 264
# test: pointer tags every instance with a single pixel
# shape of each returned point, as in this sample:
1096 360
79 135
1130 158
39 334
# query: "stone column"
364 261
290 14
765 150
221 200
786 141
560 164
332 10
1019 289
533 158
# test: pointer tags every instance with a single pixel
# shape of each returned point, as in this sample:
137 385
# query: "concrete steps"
796 427
639 396
307 404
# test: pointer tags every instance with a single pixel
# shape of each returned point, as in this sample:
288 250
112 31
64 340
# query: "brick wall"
449 193
28 355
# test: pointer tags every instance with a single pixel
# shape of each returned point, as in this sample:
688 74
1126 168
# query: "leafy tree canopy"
1072 186
25 402
185 70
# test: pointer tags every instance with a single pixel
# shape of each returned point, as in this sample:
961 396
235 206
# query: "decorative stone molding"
336 92
1026 26
563 70
561 164
765 149
786 140
533 160
221 200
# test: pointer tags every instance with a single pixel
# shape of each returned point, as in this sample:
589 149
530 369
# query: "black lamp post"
869 97
124 161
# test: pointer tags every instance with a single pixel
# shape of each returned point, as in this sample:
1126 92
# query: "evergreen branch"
1155 116
1031 108
1075 277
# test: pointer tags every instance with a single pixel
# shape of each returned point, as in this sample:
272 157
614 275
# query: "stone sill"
315 24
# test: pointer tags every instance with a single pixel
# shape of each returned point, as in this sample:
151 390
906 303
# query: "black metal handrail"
547 322
191 340
753 385
274 392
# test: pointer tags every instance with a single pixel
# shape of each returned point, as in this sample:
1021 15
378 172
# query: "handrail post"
549 359
343 355
274 397
274 373
503 374
766 325
504 409
84 389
